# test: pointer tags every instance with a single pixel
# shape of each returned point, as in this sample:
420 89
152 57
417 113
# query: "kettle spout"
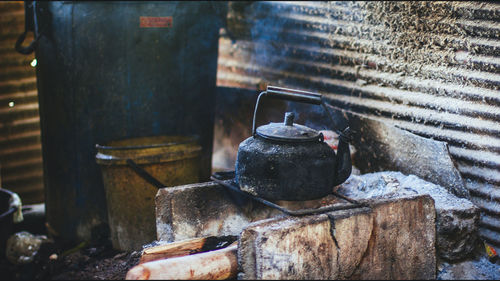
344 166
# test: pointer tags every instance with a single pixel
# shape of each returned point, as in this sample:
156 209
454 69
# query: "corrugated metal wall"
431 68
21 167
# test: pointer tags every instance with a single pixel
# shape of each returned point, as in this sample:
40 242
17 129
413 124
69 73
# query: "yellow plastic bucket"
130 197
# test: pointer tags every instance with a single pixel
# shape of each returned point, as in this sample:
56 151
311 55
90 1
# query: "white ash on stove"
457 218
396 184
477 269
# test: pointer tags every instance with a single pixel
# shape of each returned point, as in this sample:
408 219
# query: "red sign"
155 22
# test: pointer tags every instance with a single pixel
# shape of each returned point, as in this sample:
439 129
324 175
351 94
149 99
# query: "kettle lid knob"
289 118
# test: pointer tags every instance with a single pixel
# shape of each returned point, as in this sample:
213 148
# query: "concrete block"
457 219
204 209
393 240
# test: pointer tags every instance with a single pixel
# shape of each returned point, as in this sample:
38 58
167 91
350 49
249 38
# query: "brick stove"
389 239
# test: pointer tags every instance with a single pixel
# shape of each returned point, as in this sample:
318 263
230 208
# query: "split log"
185 247
213 265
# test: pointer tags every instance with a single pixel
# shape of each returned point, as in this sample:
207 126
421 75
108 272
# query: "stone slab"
380 146
204 209
393 240
457 219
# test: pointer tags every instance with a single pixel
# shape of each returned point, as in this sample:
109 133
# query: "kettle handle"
298 96
293 95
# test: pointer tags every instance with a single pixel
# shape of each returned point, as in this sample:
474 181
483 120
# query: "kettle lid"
288 131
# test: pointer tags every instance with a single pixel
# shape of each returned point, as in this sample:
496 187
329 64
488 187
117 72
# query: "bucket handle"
143 174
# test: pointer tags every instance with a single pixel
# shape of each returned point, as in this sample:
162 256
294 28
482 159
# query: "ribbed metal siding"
21 167
432 68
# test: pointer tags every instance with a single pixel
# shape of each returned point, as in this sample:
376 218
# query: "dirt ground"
102 262
88 262
55 260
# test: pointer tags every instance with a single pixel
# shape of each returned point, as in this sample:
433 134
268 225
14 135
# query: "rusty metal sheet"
21 168
430 68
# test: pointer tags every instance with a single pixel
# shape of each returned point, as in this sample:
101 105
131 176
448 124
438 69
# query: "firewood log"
213 265
174 249
185 247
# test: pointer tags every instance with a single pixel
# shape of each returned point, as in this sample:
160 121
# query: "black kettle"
288 161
